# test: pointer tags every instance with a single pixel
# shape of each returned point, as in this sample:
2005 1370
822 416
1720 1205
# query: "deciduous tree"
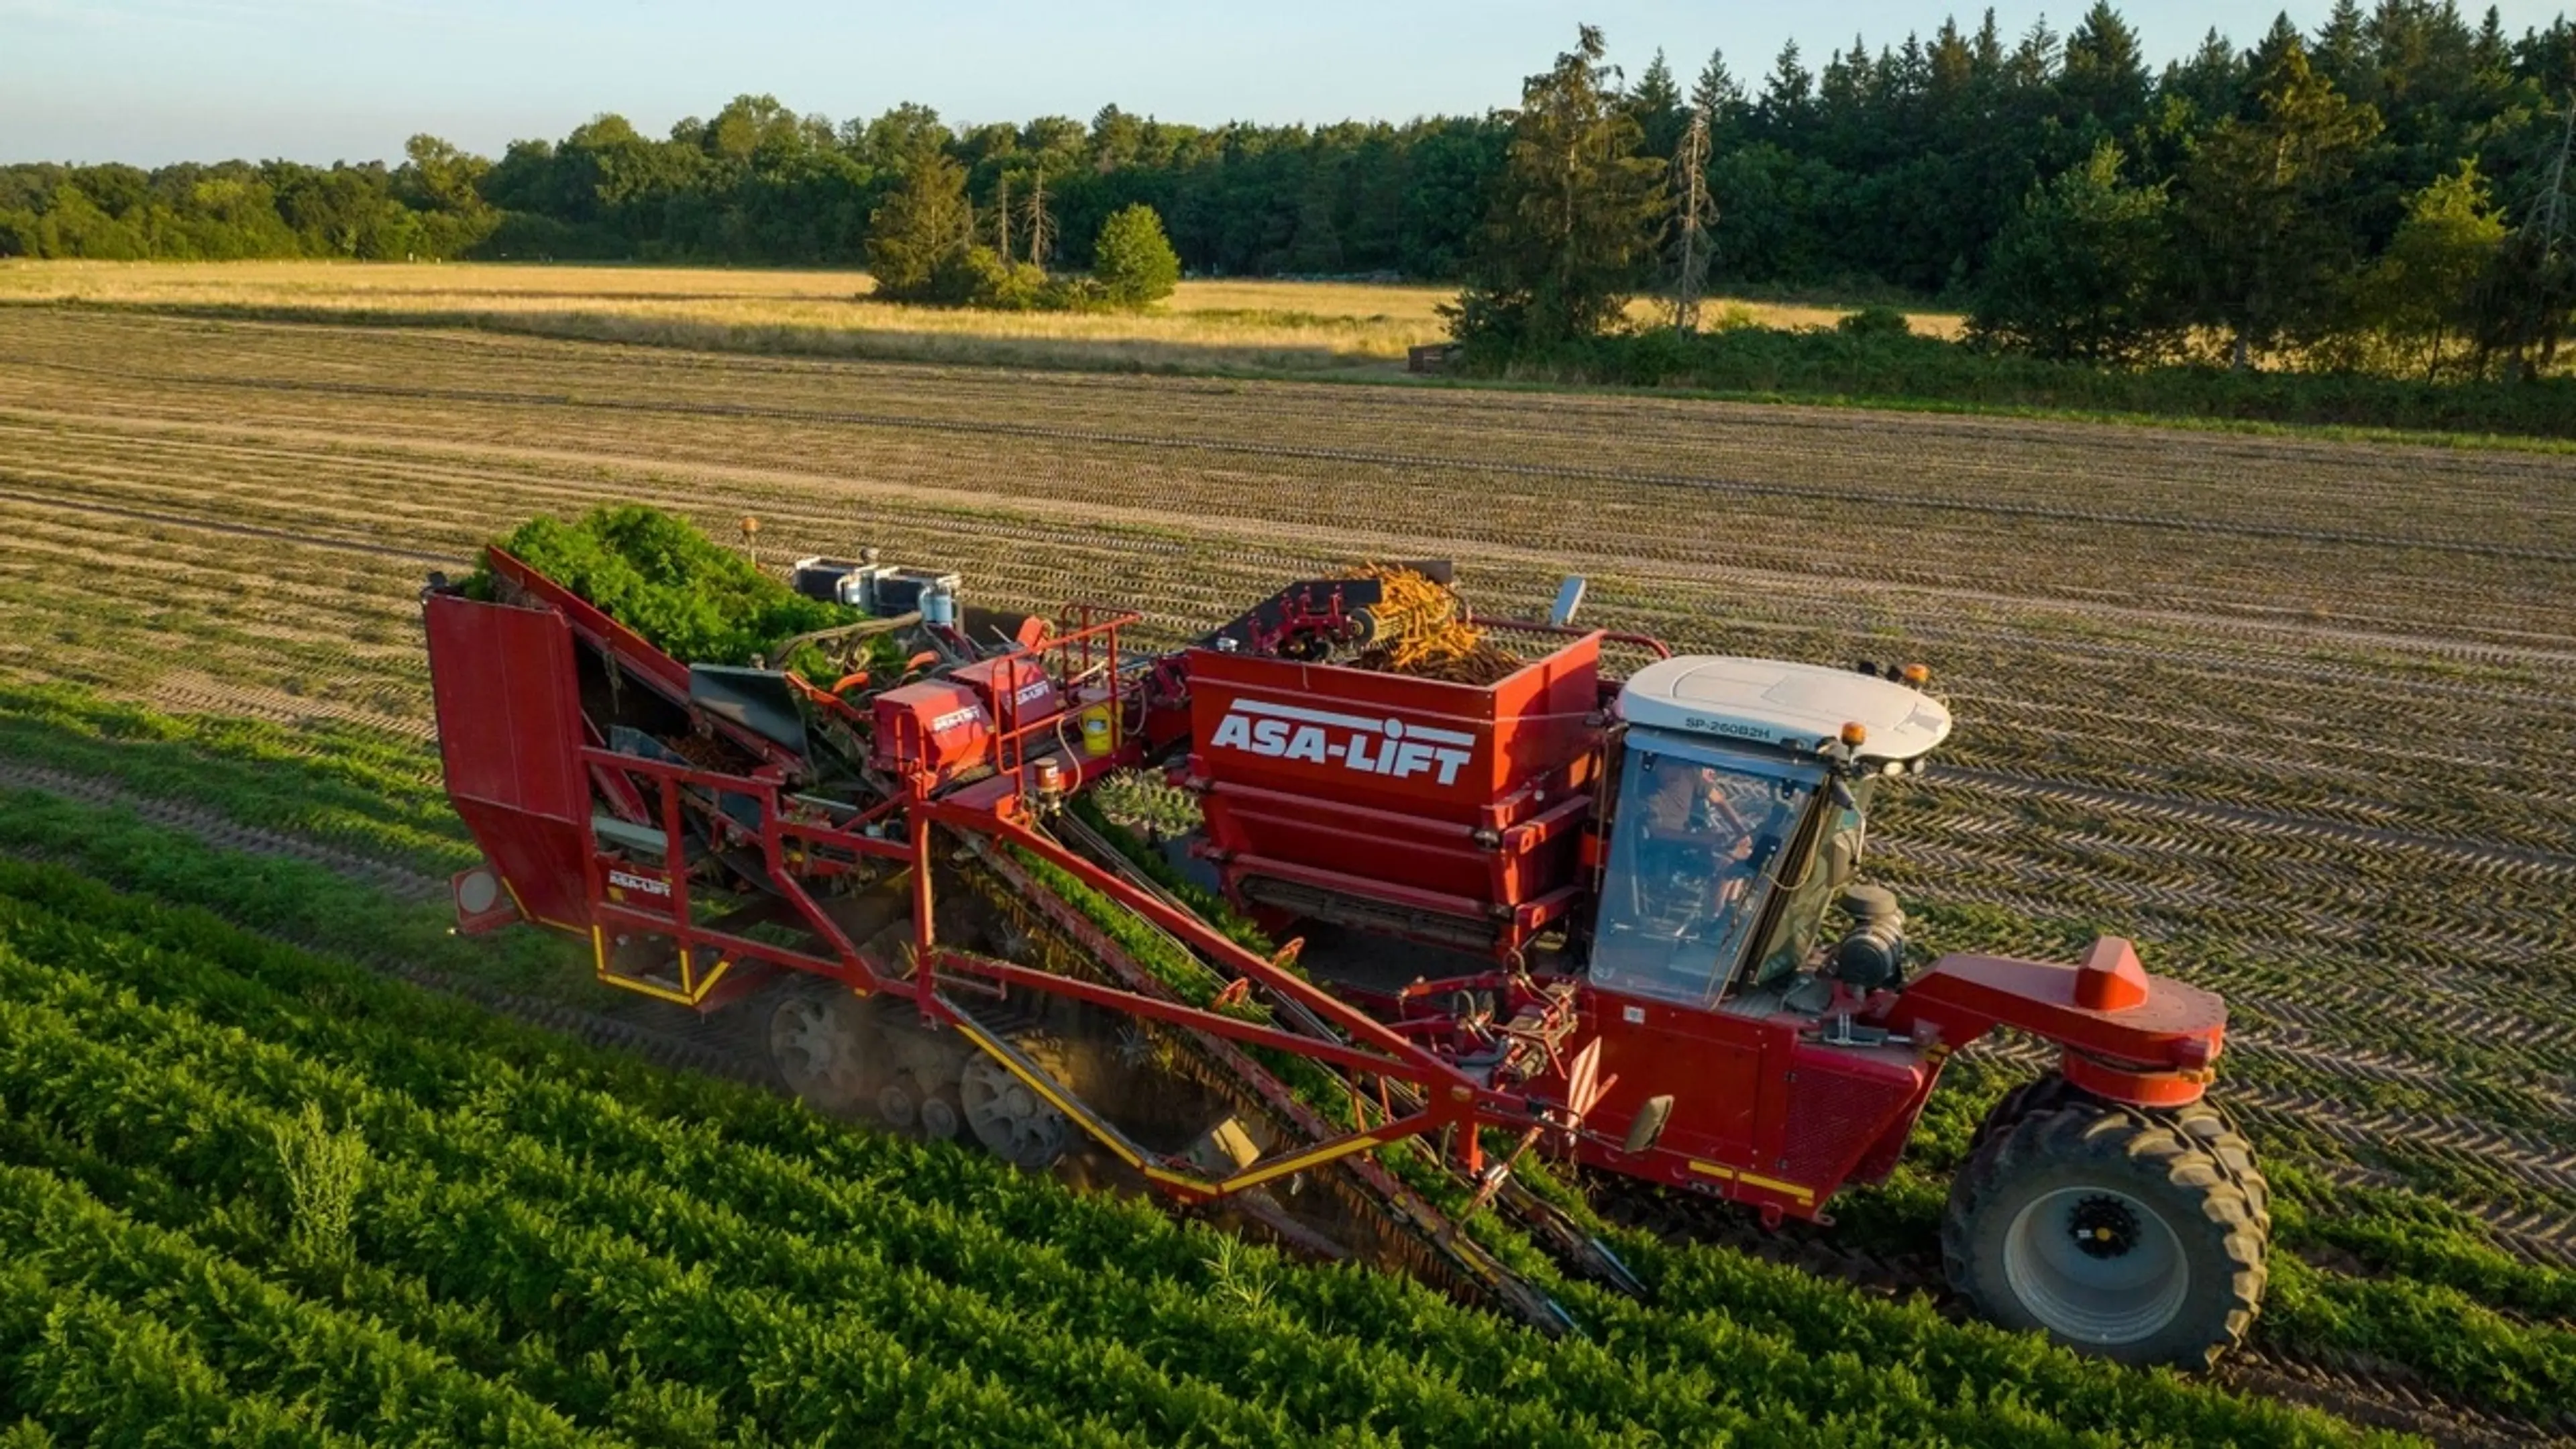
2419 298
2079 274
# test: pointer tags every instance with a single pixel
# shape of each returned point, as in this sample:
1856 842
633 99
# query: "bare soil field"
2298 715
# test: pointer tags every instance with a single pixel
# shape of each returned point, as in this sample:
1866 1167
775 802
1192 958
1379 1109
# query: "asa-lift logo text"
1388 747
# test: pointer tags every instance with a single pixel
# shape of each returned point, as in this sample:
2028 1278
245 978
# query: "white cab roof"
1794 706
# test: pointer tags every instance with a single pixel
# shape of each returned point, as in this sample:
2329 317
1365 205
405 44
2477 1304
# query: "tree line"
2033 176
2345 203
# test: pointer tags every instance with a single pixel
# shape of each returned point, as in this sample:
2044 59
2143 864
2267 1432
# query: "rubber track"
1162 443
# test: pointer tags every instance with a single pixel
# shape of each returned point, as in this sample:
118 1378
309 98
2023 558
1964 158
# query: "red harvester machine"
1557 913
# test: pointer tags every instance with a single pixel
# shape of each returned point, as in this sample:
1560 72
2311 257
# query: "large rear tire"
2116 1232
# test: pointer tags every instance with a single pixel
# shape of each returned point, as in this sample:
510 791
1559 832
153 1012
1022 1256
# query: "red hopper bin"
1447 812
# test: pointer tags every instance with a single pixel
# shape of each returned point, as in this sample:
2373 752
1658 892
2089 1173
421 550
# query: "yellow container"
1099 731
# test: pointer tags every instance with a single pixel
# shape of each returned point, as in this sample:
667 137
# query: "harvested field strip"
1394 460
187 473
2198 772
2202 472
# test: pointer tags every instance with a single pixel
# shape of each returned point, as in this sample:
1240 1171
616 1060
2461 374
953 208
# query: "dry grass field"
1230 325
2299 715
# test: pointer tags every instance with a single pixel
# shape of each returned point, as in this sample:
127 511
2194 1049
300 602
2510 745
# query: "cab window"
1696 851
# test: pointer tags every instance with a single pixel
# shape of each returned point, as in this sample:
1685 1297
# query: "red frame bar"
1197 933
1197 1018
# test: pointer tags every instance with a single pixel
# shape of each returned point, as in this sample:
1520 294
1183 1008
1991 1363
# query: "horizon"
156 82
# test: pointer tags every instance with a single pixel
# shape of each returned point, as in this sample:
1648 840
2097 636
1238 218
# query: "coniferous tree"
2104 76
1574 214
1788 101
2267 239
923 224
1656 101
1716 94
2526 304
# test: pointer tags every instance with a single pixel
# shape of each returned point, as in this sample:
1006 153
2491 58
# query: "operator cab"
1743 797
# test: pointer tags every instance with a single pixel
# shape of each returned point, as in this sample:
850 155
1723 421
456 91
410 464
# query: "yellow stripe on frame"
1331 1151
1802 1194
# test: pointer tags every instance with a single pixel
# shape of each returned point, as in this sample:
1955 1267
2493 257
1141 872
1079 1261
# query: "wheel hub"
2095 1265
2103 1227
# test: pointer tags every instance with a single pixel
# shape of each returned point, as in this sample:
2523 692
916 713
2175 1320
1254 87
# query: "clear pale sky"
152 81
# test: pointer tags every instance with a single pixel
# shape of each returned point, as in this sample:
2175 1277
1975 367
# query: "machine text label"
1369 746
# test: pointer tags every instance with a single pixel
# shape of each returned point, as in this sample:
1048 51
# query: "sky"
155 81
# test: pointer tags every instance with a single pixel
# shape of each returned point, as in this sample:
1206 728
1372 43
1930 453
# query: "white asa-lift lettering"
1388 747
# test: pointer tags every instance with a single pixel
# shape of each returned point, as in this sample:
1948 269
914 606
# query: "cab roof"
1788 706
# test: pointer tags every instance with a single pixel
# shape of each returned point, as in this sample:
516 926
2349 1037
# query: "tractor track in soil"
2166 807
401 882
2476 855
2374 1394
2444 1138
1165 443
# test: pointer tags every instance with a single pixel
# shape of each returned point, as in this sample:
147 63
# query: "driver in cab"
1700 822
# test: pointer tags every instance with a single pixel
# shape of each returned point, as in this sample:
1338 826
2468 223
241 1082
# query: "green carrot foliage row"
764 1276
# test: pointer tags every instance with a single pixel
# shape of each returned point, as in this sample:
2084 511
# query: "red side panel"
1397 789
509 732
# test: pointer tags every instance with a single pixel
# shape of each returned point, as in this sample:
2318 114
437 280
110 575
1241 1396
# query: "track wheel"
943 1111
823 1044
2112 1231
1015 1123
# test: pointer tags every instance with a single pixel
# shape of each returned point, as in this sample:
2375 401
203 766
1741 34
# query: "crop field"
2298 715
1273 326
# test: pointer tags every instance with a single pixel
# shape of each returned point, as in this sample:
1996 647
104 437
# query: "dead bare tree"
1002 214
2530 290
1698 218
1041 227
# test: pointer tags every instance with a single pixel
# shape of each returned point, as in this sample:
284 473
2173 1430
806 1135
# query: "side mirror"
1569 597
1648 1124
1842 858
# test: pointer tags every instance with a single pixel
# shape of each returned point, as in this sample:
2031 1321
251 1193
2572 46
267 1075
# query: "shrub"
1875 321
1134 263
978 277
